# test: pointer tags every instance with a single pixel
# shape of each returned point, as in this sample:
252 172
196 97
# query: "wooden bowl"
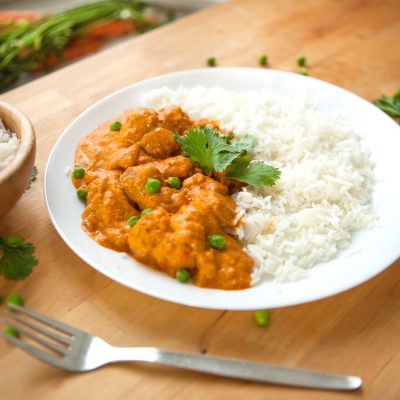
14 178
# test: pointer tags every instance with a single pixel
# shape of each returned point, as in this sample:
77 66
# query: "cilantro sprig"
213 151
16 257
390 105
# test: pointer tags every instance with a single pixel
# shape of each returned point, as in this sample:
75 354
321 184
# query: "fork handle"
241 369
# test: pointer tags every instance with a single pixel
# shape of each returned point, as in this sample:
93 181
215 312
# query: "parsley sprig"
217 152
17 259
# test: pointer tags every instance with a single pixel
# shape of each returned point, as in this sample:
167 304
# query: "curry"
132 205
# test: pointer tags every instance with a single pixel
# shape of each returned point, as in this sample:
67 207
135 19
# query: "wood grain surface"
352 43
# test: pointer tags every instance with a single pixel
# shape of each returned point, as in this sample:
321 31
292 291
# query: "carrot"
111 29
79 47
19 15
74 49
95 37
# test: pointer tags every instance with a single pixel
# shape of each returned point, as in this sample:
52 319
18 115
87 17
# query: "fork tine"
46 320
39 329
38 353
43 342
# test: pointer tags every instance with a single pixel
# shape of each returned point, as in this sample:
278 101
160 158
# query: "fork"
75 350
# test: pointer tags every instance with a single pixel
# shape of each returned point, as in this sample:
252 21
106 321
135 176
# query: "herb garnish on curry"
157 185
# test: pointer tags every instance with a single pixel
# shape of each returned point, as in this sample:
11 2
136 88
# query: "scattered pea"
174 182
132 220
145 211
216 241
9 330
152 185
303 72
82 192
263 59
262 317
79 172
301 60
182 275
115 126
397 94
211 62
15 298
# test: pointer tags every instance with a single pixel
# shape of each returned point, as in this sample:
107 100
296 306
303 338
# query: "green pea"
115 126
82 192
263 59
397 94
152 185
79 172
262 317
211 61
132 220
216 241
303 72
182 275
174 182
301 60
9 330
15 298
145 211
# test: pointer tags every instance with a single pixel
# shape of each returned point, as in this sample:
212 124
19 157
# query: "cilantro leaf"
195 145
211 150
17 258
33 177
245 143
390 105
256 173
224 159
204 145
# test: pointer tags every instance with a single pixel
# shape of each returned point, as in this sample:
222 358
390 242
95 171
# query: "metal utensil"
75 350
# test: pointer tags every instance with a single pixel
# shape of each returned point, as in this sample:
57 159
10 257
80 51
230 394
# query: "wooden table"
350 43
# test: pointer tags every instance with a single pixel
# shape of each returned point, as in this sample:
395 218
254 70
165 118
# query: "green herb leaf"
211 150
390 105
224 159
33 177
204 146
256 173
14 241
195 146
214 151
17 258
245 143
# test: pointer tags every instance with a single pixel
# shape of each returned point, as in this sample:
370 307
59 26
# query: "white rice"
324 193
8 145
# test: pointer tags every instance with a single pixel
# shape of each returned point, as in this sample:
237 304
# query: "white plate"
371 251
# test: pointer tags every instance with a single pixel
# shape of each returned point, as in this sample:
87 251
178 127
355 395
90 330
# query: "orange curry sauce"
174 234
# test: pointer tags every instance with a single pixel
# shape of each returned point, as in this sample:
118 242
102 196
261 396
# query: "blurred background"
39 36
57 5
